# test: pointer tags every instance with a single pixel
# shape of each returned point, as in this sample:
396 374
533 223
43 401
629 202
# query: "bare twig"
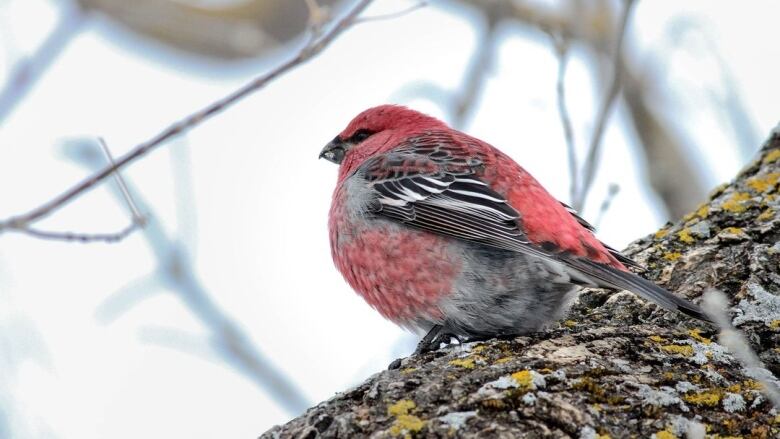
81 237
561 49
28 70
226 337
591 159
120 182
138 220
420 4
313 48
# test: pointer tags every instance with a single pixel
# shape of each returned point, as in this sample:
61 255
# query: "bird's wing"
625 260
435 187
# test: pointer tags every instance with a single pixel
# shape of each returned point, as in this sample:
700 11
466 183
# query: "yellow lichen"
661 233
591 387
684 235
684 350
776 420
774 324
524 379
493 403
696 335
478 348
706 399
730 424
766 215
401 407
503 360
752 385
672 256
569 323
405 425
603 436
734 388
735 203
702 212
764 183
408 370
665 434
656 338
772 155
467 363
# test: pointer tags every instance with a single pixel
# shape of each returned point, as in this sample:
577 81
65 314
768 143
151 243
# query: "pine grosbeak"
444 233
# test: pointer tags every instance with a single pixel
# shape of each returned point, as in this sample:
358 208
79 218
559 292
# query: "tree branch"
310 50
561 49
28 70
591 160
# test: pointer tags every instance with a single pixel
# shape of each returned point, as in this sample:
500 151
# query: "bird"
447 236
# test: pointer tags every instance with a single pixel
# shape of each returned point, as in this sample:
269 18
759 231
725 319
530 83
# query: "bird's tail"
608 276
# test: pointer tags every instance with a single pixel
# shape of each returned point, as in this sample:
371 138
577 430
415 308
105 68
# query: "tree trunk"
619 366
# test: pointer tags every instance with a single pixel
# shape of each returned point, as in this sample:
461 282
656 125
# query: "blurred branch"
670 171
479 66
591 24
227 338
310 50
26 72
561 49
715 304
612 192
592 158
120 301
236 29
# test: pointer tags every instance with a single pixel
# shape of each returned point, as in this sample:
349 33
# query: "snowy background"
94 344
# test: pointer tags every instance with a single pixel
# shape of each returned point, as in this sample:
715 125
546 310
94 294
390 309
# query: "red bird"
444 233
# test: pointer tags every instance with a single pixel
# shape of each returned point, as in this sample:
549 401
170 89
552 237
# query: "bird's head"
375 131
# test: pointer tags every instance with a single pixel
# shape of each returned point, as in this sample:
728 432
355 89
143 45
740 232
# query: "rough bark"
618 366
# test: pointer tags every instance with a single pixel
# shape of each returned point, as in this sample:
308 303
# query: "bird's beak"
334 151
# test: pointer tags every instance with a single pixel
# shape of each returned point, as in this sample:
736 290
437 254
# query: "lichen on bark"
617 366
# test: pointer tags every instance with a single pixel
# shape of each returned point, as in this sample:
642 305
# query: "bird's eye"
360 135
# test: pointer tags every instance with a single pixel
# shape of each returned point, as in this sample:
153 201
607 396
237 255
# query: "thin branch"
85 238
28 70
138 220
561 49
605 110
120 182
419 5
310 50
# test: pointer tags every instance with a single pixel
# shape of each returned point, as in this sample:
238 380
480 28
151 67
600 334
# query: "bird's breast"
400 271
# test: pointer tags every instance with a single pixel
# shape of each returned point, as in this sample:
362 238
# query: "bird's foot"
433 339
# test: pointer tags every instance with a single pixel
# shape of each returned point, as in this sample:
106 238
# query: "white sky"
261 201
